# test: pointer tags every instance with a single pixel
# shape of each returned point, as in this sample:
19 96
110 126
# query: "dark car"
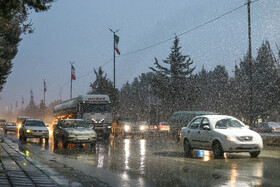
267 127
74 131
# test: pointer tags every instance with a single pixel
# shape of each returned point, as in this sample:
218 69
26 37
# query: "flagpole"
71 64
44 84
114 56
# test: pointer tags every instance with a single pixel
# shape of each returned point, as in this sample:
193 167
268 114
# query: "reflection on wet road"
154 162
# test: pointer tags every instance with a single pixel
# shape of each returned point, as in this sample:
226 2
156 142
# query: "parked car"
33 128
269 127
220 134
10 126
73 131
2 123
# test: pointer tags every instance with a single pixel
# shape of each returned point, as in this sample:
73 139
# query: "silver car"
33 128
10 126
73 131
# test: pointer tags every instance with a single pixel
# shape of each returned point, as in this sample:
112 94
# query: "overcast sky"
79 31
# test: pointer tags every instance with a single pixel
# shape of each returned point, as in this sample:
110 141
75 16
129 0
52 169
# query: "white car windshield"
35 123
75 124
228 123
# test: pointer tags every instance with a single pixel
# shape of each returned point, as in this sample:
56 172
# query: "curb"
41 168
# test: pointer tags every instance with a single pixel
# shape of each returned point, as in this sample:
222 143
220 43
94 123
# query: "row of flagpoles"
73 75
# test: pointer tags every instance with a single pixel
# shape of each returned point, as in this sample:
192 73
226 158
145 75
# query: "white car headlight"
142 127
231 138
126 128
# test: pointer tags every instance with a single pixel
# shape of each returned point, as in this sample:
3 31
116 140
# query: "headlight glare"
126 128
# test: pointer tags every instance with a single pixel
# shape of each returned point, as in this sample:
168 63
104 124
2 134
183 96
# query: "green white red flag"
73 76
116 43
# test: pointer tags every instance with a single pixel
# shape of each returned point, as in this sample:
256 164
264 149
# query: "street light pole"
114 56
250 64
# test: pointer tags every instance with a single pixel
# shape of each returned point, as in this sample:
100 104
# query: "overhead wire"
166 40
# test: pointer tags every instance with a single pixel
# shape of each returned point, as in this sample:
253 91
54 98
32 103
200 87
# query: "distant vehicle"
20 119
10 126
73 131
164 126
125 126
181 119
267 127
220 134
2 123
94 109
33 128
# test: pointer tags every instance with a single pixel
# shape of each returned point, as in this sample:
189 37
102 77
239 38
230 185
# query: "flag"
73 76
45 86
16 104
22 100
116 38
31 95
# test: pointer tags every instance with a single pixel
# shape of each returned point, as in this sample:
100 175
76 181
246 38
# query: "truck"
94 109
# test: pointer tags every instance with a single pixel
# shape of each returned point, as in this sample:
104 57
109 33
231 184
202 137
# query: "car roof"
214 118
72 120
34 120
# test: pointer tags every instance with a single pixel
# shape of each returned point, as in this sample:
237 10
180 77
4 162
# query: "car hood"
36 128
80 131
237 132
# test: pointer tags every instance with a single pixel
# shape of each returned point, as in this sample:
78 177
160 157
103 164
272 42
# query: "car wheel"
55 141
218 150
93 144
24 138
187 149
65 144
254 154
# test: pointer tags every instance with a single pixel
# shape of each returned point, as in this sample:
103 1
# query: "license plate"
82 138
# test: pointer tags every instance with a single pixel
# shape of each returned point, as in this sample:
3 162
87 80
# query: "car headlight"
231 138
142 127
28 131
71 135
126 128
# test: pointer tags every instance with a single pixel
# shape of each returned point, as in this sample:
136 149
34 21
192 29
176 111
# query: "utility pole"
250 64
71 78
114 56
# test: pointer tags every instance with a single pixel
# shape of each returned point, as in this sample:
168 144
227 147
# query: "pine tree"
102 85
173 80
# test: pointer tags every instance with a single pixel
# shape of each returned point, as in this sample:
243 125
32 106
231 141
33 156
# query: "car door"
204 135
58 130
192 132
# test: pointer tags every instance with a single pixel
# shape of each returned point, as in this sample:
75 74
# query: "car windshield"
274 125
10 124
35 123
75 124
96 108
228 123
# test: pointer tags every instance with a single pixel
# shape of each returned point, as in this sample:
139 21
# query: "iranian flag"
45 86
73 76
116 43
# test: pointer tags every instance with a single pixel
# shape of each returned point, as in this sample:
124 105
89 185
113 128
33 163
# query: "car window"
195 123
10 124
228 123
75 124
35 123
205 121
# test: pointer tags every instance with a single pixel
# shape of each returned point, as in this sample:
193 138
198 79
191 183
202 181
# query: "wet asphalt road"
151 162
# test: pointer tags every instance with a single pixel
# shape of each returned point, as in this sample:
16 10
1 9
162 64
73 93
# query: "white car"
220 134
33 128
10 126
